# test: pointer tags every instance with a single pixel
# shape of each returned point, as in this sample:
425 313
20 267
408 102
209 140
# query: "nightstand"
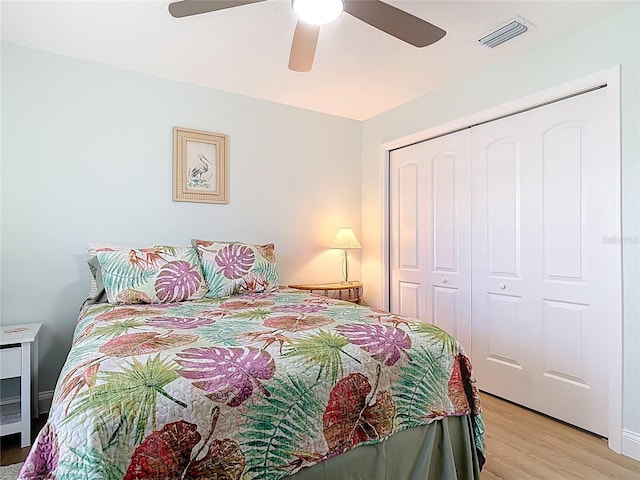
349 291
19 358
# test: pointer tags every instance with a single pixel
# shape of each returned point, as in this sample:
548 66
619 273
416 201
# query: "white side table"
18 347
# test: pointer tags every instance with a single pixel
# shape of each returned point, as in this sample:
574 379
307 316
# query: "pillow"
97 293
161 274
233 267
96 288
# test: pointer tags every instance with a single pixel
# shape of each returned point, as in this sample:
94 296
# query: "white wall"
87 157
608 42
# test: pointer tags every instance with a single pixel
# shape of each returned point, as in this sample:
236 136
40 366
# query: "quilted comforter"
243 387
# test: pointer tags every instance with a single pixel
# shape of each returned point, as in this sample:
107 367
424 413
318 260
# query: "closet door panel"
551 257
443 311
440 205
576 281
443 186
409 299
505 324
409 209
500 329
563 346
448 160
503 205
408 249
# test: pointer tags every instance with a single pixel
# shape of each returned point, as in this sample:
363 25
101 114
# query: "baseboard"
631 444
44 401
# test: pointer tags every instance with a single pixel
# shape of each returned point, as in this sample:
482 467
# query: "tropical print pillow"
96 288
230 268
161 274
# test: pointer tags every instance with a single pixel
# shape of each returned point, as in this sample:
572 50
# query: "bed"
240 379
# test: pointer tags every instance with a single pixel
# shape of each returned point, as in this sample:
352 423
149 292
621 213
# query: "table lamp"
345 239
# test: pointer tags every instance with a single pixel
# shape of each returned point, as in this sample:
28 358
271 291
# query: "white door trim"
609 77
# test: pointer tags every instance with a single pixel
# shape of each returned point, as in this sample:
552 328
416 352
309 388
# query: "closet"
498 234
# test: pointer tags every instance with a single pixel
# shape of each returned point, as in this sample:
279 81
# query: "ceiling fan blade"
395 22
186 8
303 48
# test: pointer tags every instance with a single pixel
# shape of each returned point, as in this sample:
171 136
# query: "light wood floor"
521 445
524 445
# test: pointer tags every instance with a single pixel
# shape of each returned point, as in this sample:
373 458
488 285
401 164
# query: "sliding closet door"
430 233
541 282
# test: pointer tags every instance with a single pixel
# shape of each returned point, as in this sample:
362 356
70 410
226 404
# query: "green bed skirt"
443 450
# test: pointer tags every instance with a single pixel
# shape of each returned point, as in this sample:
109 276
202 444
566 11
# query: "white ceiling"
358 71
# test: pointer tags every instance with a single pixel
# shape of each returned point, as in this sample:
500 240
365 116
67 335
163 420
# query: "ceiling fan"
313 13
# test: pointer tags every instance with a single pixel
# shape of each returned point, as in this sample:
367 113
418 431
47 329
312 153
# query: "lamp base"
345 266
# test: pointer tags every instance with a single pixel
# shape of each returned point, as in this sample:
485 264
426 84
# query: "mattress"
260 386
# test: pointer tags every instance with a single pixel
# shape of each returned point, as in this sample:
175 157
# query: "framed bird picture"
199 166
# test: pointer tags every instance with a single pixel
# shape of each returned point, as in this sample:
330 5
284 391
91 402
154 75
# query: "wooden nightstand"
19 358
349 291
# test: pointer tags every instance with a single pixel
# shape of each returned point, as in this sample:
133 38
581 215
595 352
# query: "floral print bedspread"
243 387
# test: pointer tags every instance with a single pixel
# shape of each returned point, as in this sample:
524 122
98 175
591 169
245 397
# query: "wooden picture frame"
199 166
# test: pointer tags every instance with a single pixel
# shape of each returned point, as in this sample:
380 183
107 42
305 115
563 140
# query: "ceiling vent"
505 32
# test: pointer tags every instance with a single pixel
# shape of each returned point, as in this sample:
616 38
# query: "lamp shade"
345 238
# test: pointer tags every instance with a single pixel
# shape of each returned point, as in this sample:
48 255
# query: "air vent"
504 33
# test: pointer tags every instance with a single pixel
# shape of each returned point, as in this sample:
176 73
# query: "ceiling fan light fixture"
318 12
